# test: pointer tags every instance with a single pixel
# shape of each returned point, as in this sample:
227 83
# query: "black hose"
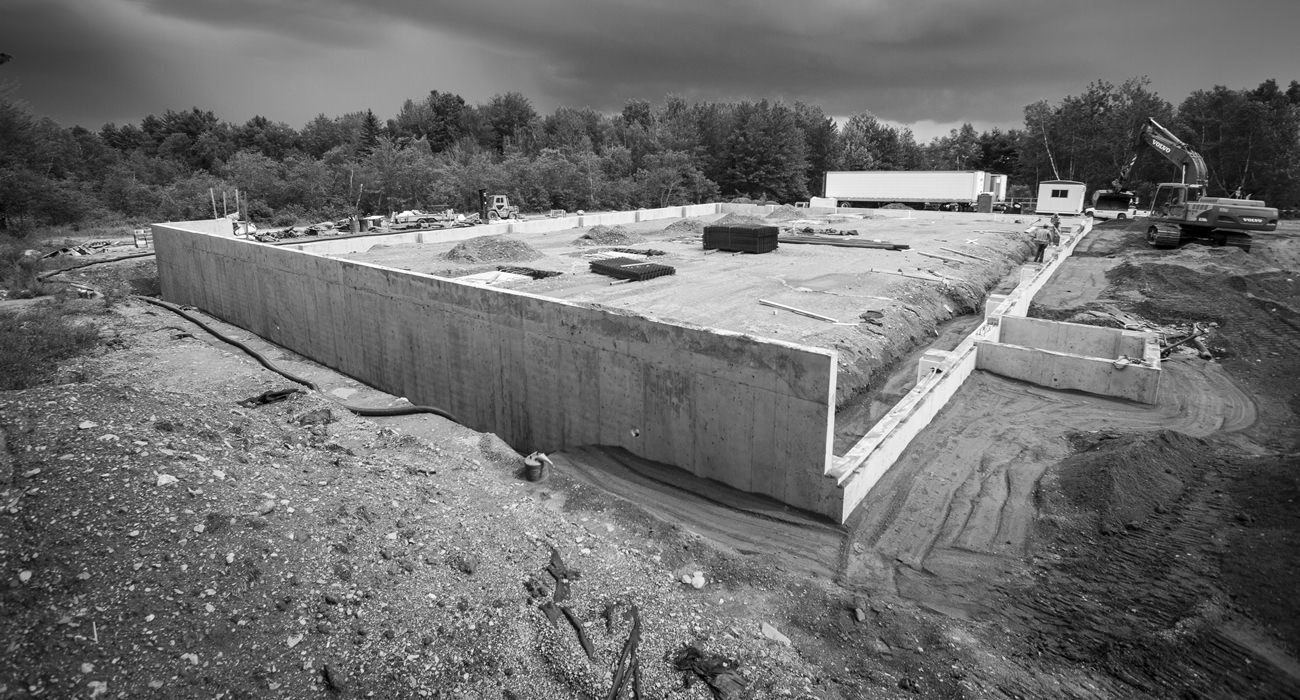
261 359
61 270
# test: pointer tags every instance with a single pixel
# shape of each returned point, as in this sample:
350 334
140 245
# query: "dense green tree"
820 143
510 119
765 155
865 143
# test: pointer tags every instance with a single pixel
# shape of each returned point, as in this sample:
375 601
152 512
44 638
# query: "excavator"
1180 211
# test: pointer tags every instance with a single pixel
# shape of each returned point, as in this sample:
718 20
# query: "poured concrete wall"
1072 338
1059 370
541 373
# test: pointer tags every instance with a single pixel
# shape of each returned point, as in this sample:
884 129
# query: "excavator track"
1164 236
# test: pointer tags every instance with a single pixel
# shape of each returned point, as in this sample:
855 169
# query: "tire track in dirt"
963 492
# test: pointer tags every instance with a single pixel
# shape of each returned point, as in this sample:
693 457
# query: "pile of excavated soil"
686 226
607 235
491 249
734 218
785 212
1119 481
895 205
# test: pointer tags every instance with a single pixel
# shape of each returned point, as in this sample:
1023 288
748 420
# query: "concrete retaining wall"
610 218
700 210
1060 370
1072 338
541 373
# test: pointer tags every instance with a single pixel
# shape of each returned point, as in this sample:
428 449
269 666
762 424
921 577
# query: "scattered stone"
293 640
774 634
25 575
87 425
266 508
166 480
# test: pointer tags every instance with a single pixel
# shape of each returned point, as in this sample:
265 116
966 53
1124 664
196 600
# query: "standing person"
1041 238
1056 229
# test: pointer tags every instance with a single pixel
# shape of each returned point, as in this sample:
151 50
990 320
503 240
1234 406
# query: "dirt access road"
303 551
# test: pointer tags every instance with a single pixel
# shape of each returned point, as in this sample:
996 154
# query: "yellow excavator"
1180 211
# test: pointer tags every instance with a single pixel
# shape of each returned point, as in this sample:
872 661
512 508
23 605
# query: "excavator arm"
1176 151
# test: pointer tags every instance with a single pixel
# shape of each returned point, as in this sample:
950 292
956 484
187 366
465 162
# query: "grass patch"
34 341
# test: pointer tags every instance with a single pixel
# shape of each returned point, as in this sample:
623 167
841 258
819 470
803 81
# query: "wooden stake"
944 258
969 255
801 312
213 196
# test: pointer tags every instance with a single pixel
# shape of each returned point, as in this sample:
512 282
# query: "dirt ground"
159 539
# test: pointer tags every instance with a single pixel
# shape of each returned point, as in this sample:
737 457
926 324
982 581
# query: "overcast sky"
928 64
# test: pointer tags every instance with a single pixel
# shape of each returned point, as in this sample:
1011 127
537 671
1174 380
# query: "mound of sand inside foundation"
734 218
686 226
607 235
785 212
492 249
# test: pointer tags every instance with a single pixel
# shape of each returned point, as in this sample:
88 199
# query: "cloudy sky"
929 64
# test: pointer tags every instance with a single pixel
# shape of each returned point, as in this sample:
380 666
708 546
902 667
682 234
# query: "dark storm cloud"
944 61
840 54
71 60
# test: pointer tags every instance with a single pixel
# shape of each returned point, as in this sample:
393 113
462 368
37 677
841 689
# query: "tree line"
438 151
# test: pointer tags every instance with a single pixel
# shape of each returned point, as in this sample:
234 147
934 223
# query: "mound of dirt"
734 218
785 212
1119 481
686 226
607 235
491 249
895 205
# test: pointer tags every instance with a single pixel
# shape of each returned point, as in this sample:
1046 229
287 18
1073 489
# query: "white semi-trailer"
916 188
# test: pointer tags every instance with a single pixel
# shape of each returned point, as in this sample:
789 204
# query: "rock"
335 680
320 416
332 598
87 425
266 507
25 575
697 580
859 614
293 640
774 634
166 480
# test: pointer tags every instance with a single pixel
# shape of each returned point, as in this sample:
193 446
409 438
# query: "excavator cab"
1172 198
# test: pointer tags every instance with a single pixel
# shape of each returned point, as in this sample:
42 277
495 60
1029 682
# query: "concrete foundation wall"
700 210
660 213
1072 338
1059 370
215 227
612 218
541 373
560 223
